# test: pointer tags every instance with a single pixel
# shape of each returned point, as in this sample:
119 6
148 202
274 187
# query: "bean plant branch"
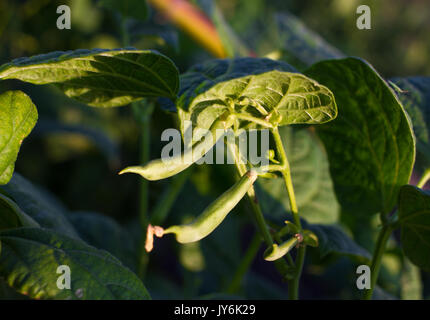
280 264
142 112
244 265
293 288
424 178
166 201
381 244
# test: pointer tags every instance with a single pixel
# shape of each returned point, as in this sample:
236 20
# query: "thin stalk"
424 178
168 198
259 121
280 264
245 264
381 243
293 287
142 112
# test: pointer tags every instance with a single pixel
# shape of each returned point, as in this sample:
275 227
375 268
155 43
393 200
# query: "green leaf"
414 219
93 228
12 216
415 96
313 187
201 77
412 286
39 205
98 77
332 239
275 96
370 145
137 9
18 116
301 42
31 256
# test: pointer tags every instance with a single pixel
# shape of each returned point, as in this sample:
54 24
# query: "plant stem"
424 178
293 287
381 243
245 264
142 113
169 196
280 264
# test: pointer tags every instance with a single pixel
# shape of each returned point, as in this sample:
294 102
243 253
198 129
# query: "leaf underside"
266 92
98 77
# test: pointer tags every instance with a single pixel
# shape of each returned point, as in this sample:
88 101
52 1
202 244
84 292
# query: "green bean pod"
165 168
215 213
278 251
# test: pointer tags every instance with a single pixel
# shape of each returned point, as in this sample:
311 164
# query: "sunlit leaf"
370 145
18 116
101 78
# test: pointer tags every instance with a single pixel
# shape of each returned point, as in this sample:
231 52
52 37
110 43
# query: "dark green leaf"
101 78
31 256
414 218
415 96
11 216
412 286
370 146
39 205
301 42
18 116
128 8
105 233
332 239
313 187
99 138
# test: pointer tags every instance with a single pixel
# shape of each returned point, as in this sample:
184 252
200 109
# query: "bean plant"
342 141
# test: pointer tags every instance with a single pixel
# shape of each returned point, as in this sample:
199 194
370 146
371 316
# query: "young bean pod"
165 168
214 214
278 251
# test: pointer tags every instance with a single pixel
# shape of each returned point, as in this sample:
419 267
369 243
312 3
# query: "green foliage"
312 182
37 236
39 205
332 239
281 98
348 156
415 96
100 78
370 146
414 219
12 216
301 42
30 258
18 116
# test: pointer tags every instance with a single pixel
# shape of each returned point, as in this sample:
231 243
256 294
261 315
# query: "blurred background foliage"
76 151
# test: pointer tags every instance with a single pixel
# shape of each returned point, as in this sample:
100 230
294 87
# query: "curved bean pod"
214 214
278 251
165 168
